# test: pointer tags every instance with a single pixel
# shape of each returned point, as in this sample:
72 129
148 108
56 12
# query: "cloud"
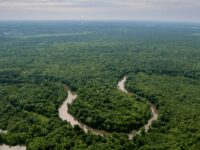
188 10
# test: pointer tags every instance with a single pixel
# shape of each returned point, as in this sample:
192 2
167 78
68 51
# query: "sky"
153 10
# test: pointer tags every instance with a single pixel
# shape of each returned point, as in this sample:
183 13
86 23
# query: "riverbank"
7 147
154 111
65 115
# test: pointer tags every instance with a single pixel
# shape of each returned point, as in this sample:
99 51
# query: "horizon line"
96 20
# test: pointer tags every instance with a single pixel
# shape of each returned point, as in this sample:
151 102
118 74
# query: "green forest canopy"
162 63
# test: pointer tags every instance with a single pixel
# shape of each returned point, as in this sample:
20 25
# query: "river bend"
65 115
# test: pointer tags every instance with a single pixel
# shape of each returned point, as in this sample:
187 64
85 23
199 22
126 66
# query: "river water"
7 147
65 115
3 131
154 112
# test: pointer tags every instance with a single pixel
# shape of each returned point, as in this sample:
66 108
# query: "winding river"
65 115
154 112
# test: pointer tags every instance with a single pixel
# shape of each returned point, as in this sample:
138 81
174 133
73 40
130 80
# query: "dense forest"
161 61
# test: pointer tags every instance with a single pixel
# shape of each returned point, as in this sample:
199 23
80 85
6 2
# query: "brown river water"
65 115
7 147
154 112
3 131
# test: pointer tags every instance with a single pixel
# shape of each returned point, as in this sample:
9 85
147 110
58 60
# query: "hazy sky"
164 10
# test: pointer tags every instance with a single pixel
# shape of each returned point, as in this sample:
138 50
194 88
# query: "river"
65 115
7 147
154 112
3 131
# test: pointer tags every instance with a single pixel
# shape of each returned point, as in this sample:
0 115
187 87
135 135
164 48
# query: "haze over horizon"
152 10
